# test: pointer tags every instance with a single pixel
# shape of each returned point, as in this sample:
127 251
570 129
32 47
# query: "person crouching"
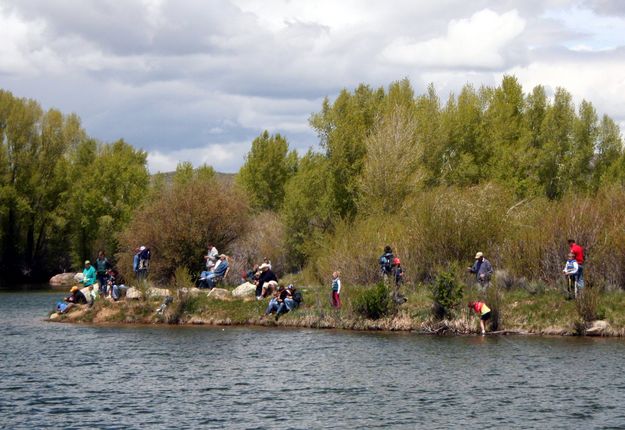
483 311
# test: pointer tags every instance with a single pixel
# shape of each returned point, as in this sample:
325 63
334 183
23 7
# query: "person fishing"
578 252
483 270
571 269
483 311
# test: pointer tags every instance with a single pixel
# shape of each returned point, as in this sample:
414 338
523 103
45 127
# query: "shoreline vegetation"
516 312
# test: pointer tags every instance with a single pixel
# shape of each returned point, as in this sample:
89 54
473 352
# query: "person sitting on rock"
267 282
76 298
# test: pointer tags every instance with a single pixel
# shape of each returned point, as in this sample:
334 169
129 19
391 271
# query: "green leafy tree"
343 128
267 168
307 211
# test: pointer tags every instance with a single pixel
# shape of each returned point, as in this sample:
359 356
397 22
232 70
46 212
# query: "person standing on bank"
101 266
482 268
336 290
578 252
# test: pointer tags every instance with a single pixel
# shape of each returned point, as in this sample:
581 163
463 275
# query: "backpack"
385 262
298 297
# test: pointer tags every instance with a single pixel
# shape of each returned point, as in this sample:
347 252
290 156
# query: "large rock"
133 293
220 294
158 292
63 280
598 328
246 289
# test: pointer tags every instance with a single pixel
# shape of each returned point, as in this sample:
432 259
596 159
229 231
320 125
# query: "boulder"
78 277
158 292
191 291
219 294
246 289
63 280
597 328
133 293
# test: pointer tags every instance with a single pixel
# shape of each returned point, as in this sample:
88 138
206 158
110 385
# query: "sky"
199 80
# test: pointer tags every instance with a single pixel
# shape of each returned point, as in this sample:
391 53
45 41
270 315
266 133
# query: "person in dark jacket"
267 282
483 270
76 298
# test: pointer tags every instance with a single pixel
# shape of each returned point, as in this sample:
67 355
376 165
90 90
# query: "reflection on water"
73 376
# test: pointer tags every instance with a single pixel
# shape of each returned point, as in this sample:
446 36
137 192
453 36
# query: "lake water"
75 376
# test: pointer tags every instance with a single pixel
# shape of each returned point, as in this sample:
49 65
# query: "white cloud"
198 81
224 157
477 42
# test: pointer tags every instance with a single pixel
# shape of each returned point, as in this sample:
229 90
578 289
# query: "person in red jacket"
578 251
483 311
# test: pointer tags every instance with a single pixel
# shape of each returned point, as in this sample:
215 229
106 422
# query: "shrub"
177 224
447 294
374 302
587 304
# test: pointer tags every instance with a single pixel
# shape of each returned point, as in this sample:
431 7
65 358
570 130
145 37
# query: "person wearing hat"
267 281
88 274
75 298
482 268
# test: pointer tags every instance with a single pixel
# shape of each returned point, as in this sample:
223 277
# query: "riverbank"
516 311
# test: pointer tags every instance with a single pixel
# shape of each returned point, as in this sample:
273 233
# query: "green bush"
447 293
374 302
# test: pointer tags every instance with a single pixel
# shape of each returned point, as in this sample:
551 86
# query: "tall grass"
527 238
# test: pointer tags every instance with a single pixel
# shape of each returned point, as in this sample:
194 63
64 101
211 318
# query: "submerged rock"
246 289
63 280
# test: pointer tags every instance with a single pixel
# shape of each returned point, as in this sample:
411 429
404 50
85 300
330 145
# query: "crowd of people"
98 281
102 280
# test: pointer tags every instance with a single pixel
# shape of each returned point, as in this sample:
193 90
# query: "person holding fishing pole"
483 311
571 270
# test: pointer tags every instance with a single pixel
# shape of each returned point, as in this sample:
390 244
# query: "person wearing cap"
88 274
482 268
76 298
144 262
398 272
483 311
267 281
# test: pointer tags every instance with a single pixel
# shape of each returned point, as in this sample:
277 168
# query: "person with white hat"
482 268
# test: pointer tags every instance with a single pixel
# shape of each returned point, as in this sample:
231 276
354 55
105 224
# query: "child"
398 272
336 290
571 268
484 312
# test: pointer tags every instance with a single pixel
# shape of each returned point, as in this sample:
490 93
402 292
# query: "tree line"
62 194
495 169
